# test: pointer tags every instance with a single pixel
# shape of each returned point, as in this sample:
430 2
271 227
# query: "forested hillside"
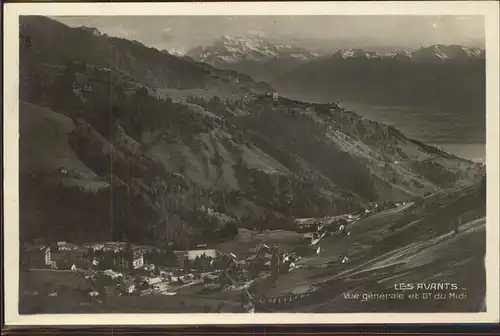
106 142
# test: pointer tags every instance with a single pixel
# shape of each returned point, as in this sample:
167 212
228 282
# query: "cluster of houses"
113 255
125 257
111 269
120 268
35 256
336 105
308 226
273 95
375 207
146 278
332 224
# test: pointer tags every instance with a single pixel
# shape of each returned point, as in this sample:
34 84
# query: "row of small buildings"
47 256
119 256
307 225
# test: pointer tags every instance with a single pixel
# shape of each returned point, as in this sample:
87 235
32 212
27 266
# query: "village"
100 271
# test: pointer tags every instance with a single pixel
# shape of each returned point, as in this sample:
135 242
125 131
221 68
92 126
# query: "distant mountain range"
442 77
231 50
430 53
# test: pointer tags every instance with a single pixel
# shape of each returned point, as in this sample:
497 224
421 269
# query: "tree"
196 263
220 306
229 231
70 71
102 293
82 67
36 91
138 281
187 264
63 97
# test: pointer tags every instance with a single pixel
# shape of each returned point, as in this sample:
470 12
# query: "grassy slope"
44 148
407 245
195 160
400 167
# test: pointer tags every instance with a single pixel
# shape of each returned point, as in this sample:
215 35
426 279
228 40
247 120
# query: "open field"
248 239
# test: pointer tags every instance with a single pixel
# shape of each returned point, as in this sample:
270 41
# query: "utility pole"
111 161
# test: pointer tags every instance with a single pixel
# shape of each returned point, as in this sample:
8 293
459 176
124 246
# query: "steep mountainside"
113 146
147 65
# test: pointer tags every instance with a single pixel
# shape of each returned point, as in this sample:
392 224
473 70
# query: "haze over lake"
464 136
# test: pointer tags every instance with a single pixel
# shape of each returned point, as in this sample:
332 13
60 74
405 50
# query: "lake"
462 134
475 152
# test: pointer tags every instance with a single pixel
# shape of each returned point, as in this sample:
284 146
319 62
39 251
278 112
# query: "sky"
321 33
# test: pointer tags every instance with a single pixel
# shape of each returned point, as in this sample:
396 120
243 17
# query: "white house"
308 235
210 253
112 274
274 95
149 267
154 281
128 286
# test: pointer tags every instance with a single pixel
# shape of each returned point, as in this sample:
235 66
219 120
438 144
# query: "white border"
11 230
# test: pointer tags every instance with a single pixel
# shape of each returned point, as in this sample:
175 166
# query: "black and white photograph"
211 164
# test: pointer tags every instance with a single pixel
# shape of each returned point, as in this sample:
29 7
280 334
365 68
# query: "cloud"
123 32
167 36
259 33
333 32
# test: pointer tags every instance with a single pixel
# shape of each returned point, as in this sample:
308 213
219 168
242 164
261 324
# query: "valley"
123 144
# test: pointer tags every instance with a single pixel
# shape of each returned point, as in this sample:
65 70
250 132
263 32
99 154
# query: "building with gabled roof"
35 256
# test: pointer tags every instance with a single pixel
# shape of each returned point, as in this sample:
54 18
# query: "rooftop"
31 247
314 221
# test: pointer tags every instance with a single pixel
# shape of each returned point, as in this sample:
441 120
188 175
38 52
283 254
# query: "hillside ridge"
161 153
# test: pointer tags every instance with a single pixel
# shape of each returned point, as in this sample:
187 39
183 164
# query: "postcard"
234 163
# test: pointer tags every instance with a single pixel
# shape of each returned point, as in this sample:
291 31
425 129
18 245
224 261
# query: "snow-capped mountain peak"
350 52
175 52
231 49
433 52
254 48
445 52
